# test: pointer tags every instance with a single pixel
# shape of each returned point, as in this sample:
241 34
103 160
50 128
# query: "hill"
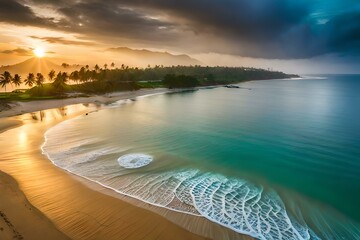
34 65
145 57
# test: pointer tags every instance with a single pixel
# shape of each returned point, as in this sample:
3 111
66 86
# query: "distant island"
109 78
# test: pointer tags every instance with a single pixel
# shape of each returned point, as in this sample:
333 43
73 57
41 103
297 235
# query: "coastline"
101 205
19 108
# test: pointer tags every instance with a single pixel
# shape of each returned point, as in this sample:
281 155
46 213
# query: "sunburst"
39 52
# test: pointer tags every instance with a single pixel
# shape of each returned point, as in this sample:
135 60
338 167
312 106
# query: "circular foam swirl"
135 160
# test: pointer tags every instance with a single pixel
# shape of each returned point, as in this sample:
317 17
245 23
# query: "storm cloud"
281 29
16 13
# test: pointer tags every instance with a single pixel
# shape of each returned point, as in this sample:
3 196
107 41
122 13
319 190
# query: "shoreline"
190 227
19 108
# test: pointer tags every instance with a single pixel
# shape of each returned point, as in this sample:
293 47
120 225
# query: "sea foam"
231 202
135 160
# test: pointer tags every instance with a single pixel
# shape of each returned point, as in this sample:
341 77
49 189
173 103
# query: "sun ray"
39 52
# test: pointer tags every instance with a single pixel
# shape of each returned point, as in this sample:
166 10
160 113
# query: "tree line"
103 79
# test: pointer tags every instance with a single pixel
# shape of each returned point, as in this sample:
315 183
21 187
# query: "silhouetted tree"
60 81
5 79
16 80
30 80
51 75
39 79
74 76
65 65
96 68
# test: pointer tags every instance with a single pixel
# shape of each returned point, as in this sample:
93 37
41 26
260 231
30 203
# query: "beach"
68 206
33 106
16 212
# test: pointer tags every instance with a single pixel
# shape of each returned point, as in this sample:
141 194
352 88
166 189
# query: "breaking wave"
234 203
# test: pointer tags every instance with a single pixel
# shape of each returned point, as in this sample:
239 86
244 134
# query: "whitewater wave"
234 203
134 160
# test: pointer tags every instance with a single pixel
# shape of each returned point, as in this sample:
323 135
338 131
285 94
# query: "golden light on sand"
39 52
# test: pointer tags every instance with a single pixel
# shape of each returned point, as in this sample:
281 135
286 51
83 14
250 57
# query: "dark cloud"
100 17
18 51
250 20
61 40
342 33
13 12
283 29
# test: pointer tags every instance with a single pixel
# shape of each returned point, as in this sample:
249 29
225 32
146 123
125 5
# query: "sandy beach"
16 214
66 206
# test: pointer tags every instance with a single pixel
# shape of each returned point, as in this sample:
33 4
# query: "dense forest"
102 80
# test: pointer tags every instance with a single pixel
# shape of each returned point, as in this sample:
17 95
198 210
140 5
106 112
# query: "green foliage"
150 84
103 80
18 96
180 81
104 87
47 89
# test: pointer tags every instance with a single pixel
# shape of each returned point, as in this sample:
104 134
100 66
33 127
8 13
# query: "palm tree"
39 80
60 81
105 66
5 79
51 75
16 80
30 80
82 74
96 67
75 76
112 65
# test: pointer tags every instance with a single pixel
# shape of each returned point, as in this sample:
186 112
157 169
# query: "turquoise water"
277 159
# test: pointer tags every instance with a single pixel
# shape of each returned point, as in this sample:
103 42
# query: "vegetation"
180 81
102 80
30 80
5 79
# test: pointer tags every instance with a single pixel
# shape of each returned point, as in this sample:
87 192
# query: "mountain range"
124 55
143 57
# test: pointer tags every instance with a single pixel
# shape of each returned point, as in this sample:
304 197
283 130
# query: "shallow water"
277 160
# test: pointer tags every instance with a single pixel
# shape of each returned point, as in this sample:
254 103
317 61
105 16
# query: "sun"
39 52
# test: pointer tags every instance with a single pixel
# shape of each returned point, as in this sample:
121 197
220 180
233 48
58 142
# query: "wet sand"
6 124
81 209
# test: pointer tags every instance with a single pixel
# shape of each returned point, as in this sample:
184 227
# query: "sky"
294 36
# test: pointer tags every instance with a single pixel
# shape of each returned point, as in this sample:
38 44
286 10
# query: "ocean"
274 159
